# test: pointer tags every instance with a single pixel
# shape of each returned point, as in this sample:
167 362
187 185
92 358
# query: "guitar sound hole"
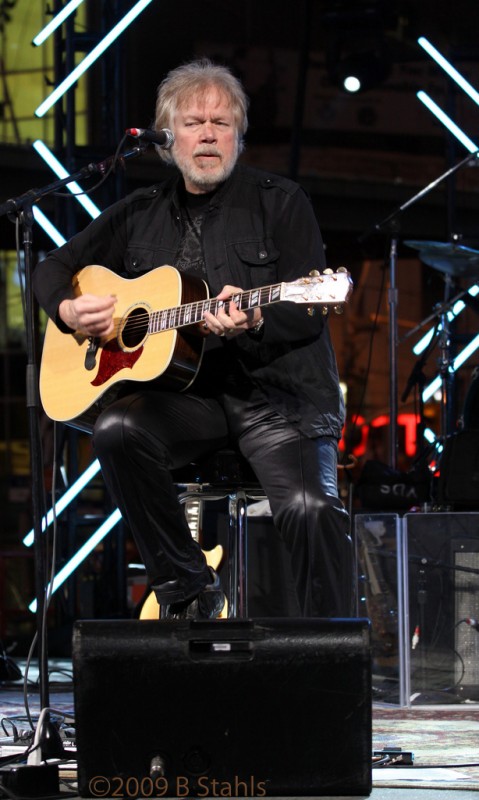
136 328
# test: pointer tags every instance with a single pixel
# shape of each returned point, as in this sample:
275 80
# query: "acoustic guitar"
156 334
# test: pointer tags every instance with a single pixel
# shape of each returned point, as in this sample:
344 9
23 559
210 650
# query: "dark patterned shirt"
189 257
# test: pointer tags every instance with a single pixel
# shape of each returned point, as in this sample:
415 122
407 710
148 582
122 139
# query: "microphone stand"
391 224
20 210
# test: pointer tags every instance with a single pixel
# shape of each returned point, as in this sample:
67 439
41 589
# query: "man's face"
206 141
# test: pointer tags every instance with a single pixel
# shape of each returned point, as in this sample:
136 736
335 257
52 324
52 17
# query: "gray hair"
197 77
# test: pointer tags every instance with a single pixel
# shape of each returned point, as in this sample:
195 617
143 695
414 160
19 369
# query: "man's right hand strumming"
89 314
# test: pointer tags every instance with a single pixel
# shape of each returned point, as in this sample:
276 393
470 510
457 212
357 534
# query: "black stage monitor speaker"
231 708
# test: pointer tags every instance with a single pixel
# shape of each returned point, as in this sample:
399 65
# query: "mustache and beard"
200 172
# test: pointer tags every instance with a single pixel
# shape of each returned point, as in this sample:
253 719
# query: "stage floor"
442 739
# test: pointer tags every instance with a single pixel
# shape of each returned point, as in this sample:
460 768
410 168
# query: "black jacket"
260 229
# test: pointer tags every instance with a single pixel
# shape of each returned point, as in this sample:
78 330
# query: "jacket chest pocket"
139 259
258 260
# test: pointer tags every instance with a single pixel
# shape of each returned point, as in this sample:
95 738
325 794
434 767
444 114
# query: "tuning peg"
314 273
338 309
341 269
327 271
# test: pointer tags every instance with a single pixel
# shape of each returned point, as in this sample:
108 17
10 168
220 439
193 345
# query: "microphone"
164 138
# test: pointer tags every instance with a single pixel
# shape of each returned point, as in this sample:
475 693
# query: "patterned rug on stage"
443 740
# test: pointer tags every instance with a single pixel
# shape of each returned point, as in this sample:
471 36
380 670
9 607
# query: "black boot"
208 603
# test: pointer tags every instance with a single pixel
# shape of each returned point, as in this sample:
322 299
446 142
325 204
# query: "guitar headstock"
326 289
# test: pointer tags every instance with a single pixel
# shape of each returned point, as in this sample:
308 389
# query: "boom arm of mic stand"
103 167
440 308
24 201
385 224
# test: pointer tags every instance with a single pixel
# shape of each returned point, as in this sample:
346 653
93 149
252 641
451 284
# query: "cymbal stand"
444 365
441 336
391 225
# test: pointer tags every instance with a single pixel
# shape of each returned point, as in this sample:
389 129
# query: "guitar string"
198 307
192 313
155 324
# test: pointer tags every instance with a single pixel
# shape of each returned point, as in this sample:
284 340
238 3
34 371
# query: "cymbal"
452 259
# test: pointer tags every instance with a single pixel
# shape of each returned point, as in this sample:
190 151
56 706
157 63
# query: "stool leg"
238 555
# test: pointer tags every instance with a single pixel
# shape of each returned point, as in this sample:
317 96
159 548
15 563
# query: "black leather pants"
142 437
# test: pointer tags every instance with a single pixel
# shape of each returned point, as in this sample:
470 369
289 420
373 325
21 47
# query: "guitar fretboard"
190 313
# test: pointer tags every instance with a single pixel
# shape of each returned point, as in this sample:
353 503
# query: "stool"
224 475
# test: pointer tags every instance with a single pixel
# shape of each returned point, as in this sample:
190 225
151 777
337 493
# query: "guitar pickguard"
112 360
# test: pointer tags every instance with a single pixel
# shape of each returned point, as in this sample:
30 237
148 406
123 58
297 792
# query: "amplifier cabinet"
419 586
442 578
230 708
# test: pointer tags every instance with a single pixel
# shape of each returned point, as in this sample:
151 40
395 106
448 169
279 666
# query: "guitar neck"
191 313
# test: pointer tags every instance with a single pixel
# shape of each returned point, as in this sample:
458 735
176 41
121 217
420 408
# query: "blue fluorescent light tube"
449 69
81 554
433 387
431 437
60 170
66 499
48 227
55 23
447 122
459 306
465 353
90 59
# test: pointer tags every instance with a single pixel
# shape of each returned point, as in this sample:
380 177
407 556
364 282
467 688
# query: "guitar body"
78 373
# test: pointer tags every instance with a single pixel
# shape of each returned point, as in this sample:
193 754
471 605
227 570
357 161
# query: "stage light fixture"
48 227
65 499
80 555
361 71
73 187
55 23
352 83
90 59
447 122
449 69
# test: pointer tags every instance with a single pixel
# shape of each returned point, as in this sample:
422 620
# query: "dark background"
359 156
